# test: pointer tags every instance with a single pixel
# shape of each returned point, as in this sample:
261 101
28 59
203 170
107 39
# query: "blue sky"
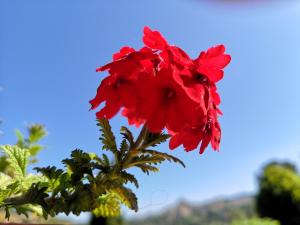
49 51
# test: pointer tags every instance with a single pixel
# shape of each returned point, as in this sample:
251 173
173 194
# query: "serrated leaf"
35 149
36 195
14 187
129 178
163 155
107 137
93 156
147 168
79 164
107 206
106 160
22 210
124 148
4 194
18 159
31 179
7 213
38 210
100 163
36 132
127 135
145 159
127 197
3 163
154 139
20 138
5 180
51 172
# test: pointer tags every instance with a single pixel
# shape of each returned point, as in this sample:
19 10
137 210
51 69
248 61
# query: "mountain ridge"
217 211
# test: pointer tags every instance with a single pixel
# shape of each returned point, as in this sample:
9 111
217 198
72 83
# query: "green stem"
134 150
141 138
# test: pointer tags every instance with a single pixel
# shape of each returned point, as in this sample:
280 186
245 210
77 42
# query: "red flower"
196 87
133 118
164 102
123 52
212 62
154 39
205 131
205 71
162 87
117 90
168 53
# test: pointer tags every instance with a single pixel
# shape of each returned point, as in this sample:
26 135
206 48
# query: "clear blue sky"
49 51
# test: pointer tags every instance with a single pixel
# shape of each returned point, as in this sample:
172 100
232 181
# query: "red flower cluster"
162 87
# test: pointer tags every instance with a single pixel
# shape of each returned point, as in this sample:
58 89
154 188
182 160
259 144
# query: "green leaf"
5 180
3 163
127 135
107 137
105 160
14 187
52 174
4 194
145 159
22 210
108 205
35 149
36 132
79 164
154 139
36 195
7 213
38 210
124 148
147 168
129 178
20 138
18 159
163 155
31 179
100 164
127 197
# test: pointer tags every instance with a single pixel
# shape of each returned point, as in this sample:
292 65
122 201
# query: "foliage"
35 133
89 183
279 193
256 221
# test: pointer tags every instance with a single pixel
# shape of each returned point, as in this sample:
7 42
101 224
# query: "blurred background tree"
279 193
256 221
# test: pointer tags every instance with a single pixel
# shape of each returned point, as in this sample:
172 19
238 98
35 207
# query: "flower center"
169 94
196 129
119 82
200 78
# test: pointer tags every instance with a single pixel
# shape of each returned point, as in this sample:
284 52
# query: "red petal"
101 93
109 111
123 52
154 39
157 122
175 141
204 143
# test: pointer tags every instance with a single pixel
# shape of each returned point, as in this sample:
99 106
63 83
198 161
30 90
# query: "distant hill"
217 212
